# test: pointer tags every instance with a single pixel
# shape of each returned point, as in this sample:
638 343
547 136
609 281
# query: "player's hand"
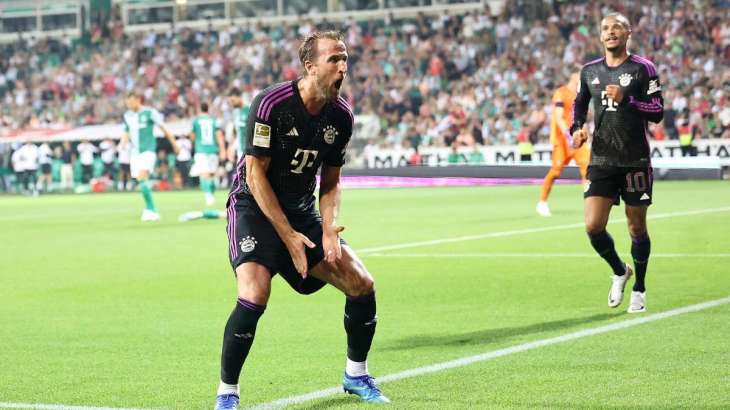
615 93
580 137
331 242
295 243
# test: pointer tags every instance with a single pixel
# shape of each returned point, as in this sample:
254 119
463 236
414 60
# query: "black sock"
640 250
238 338
360 321
603 244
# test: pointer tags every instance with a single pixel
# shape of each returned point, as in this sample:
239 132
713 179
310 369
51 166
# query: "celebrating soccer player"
626 93
563 151
139 123
293 129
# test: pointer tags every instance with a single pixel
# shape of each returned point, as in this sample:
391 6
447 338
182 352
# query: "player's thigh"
142 164
560 157
253 282
601 192
347 273
252 240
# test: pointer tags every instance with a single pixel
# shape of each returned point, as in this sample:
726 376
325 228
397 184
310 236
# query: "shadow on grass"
492 335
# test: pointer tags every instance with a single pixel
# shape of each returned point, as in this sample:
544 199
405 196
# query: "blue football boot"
363 387
226 402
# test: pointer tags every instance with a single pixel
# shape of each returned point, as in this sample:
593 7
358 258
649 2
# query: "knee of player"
637 230
593 228
363 285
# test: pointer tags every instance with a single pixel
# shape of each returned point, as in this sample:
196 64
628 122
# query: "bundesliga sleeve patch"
653 87
262 135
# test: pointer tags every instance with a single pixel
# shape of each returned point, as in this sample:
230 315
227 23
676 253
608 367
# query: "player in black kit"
626 93
293 129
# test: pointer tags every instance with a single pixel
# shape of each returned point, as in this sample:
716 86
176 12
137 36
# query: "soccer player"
240 116
626 93
139 123
293 129
563 151
209 149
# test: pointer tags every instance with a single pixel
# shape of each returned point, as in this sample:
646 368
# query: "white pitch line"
465 361
665 215
4 405
534 255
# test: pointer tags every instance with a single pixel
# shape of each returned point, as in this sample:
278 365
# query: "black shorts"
124 168
252 238
46 168
633 185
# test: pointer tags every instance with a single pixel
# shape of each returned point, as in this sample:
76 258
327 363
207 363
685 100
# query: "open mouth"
338 83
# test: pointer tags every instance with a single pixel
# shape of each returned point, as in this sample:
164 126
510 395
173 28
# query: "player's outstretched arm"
260 187
329 206
170 138
221 144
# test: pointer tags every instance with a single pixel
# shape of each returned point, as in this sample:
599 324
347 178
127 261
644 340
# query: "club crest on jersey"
624 79
653 87
248 244
329 134
262 135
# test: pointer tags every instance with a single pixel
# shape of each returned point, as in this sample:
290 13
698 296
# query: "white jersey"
124 153
108 150
18 160
86 153
44 154
185 149
30 156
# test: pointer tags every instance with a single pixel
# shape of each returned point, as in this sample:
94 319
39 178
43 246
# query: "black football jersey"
298 143
620 137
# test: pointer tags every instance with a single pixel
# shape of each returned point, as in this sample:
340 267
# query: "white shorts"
204 164
144 161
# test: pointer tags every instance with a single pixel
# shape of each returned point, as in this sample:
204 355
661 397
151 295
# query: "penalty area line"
465 361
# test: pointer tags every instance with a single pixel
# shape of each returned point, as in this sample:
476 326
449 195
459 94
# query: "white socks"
356 369
227 389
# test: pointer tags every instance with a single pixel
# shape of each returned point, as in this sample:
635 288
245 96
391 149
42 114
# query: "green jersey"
139 125
240 116
205 128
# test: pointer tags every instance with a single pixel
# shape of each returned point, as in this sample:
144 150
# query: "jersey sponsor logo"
596 81
625 79
329 134
262 135
293 132
307 160
645 197
248 244
653 87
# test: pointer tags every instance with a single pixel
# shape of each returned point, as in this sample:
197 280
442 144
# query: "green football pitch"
481 304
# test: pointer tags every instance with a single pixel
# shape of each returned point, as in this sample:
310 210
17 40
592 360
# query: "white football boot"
638 302
618 283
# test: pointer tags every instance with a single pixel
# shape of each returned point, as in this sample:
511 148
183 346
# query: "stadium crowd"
473 79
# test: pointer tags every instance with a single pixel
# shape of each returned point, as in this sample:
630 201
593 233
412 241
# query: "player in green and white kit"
209 149
240 115
139 123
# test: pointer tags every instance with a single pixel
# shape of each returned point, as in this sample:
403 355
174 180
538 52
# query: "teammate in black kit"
626 93
293 129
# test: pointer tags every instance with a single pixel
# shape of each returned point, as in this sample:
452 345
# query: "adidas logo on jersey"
293 132
596 81
644 197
